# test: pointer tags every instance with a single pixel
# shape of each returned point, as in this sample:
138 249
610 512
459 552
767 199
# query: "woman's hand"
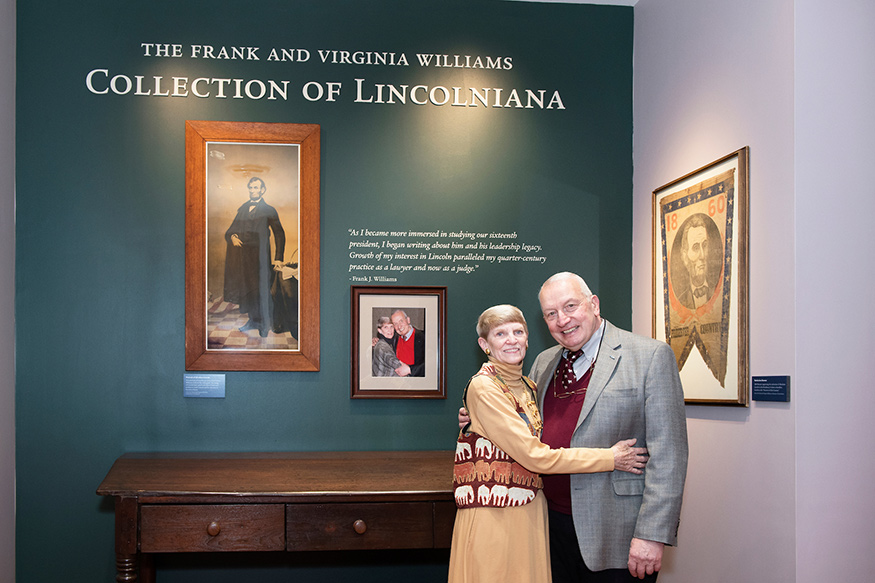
464 419
627 458
488 368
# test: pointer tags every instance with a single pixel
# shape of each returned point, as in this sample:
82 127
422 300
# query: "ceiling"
611 2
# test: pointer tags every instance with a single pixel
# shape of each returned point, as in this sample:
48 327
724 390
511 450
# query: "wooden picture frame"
249 307
376 361
700 278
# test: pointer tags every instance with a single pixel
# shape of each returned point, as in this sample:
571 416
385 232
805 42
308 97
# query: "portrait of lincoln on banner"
696 232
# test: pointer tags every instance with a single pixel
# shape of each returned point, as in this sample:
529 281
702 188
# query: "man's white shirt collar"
590 351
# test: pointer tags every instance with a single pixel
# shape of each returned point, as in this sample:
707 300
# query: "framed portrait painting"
398 342
700 284
252 246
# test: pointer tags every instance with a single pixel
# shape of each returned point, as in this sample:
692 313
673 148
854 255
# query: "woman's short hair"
498 315
382 321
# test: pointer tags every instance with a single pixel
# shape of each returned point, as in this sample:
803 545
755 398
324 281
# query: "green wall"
100 230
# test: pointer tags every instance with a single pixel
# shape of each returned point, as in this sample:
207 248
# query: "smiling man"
602 383
410 343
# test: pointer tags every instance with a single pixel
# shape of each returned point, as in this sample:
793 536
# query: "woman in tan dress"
500 533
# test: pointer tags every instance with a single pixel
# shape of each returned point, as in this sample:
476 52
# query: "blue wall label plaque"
771 388
204 385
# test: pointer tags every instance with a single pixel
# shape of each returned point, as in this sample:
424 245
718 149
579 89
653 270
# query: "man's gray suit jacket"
635 391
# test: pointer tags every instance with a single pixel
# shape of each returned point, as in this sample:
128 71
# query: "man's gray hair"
563 275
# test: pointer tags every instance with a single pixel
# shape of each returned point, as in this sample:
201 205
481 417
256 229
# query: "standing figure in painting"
696 255
248 262
385 363
410 344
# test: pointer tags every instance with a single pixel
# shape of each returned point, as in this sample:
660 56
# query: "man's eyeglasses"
568 309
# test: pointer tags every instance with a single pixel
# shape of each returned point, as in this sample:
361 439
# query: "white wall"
777 492
835 272
7 280
710 77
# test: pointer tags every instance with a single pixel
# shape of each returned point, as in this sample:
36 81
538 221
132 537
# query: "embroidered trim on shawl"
484 475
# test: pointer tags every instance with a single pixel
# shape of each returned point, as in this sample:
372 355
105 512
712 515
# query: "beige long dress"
507 545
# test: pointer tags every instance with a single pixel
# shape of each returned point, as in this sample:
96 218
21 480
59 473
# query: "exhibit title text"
104 81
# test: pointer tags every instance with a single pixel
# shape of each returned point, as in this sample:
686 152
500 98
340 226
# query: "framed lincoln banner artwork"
700 284
251 246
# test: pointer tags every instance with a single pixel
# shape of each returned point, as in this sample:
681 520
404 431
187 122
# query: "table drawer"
351 526
444 520
212 528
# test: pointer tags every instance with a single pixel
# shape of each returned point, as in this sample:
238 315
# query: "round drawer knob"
213 529
359 526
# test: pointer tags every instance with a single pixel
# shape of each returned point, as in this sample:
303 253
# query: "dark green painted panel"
100 232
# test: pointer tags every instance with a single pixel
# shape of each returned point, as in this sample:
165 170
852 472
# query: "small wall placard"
204 385
771 388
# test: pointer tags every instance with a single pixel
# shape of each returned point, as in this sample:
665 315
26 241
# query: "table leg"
126 567
147 568
126 570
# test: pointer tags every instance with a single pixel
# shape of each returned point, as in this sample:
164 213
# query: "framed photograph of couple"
251 246
700 278
398 342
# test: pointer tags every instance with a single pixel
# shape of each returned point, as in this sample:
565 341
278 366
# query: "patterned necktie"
566 368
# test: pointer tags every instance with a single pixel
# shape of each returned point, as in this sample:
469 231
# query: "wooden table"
305 501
